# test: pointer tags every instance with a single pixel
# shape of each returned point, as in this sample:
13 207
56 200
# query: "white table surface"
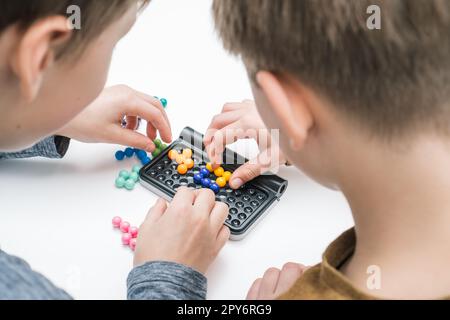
57 214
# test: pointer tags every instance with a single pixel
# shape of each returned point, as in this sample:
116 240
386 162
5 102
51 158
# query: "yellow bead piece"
179 159
227 175
187 153
173 154
219 172
209 167
221 182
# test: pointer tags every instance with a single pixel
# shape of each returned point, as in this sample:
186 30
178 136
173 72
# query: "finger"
147 111
269 283
131 138
223 137
183 197
156 211
220 121
255 167
253 292
222 238
232 106
151 131
288 276
218 215
154 101
204 202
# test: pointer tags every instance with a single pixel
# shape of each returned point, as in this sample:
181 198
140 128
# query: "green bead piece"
158 143
136 168
124 174
134 176
120 182
129 184
156 152
163 102
164 146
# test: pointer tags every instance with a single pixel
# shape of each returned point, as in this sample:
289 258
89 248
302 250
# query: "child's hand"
241 121
275 282
101 121
190 230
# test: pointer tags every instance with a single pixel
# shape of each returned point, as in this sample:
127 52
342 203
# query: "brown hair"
96 16
390 80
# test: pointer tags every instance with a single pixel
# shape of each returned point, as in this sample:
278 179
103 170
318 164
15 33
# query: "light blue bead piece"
129 184
163 102
136 168
120 182
124 174
134 176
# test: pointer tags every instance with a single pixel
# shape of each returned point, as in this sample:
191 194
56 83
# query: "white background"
57 214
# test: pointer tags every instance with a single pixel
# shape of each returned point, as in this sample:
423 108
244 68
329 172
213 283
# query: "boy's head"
331 84
54 58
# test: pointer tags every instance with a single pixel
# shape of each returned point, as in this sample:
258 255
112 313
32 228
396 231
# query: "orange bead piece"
219 172
227 175
173 154
189 163
179 159
187 153
182 169
221 182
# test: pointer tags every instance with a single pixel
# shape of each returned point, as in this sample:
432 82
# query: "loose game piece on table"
124 226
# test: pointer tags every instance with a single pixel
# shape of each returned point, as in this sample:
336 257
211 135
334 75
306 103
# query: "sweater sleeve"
52 147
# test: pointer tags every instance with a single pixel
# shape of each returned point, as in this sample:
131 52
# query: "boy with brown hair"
362 111
51 81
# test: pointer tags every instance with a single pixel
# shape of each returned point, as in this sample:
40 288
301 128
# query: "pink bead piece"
134 232
116 222
126 237
124 226
133 244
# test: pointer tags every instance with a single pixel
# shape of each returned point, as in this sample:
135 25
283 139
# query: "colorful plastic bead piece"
116 222
124 174
146 161
134 176
156 152
120 155
198 178
126 237
129 184
204 172
124 226
206 182
136 168
163 146
173 154
221 182
133 244
179 159
141 154
182 169
214 187
219 172
226 175
187 153
189 163
133 232
120 182
209 167
129 152
163 102
158 143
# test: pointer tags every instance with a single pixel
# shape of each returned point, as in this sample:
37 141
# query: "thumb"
264 162
131 138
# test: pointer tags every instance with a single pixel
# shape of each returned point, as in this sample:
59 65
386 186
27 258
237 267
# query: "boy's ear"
35 52
290 108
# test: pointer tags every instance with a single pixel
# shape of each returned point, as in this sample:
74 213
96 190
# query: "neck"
400 203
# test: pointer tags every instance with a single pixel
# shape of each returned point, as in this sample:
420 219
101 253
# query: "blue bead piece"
214 187
141 154
206 182
129 152
163 102
146 161
198 178
120 155
204 173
